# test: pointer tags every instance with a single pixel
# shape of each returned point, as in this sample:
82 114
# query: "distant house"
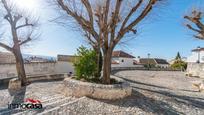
197 55
161 63
119 59
123 59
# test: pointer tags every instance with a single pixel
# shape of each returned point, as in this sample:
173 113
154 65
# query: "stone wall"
9 70
196 69
7 58
77 88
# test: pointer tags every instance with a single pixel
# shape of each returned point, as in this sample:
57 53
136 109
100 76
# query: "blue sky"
162 36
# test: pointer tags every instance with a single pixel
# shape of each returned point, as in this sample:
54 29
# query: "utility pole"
198 48
148 60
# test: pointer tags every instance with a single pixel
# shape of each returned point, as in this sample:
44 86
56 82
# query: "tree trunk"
20 66
99 62
107 66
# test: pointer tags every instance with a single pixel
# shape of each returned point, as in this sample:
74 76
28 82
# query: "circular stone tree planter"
78 88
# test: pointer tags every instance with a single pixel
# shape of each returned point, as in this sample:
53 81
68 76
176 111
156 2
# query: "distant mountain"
50 58
6 57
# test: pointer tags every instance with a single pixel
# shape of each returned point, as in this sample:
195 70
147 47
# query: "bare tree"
196 18
106 23
21 31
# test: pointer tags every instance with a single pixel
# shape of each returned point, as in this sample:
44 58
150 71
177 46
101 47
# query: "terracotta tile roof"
121 54
161 61
153 61
114 62
146 61
135 62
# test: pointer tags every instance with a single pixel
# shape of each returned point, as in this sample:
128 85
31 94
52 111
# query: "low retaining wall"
47 77
77 88
143 68
38 78
39 68
15 84
196 69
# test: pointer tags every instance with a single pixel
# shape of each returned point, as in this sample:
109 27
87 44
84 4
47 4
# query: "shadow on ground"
149 105
163 105
18 98
186 100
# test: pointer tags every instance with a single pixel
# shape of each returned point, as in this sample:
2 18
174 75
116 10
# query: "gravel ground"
154 92
39 90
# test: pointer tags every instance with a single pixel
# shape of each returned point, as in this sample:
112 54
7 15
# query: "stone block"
14 84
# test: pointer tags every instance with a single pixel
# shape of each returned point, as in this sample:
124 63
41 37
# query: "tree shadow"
3 86
150 105
186 100
18 96
140 83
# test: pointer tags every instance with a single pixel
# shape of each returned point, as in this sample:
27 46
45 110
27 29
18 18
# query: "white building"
123 59
197 55
194 68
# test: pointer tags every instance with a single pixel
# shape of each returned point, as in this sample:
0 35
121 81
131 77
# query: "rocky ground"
154 92
40 91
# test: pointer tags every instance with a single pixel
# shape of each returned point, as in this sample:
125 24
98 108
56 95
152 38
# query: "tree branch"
133 10
17 18
115 19
25 25
199 37
25 41
190 27
144 13
89 10
196 19
8 17
86 25
6 47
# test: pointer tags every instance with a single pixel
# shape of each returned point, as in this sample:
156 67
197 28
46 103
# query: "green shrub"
179 64
85 65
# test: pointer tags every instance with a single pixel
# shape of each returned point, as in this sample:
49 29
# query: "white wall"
194 57
64 67
196 69
9 70
163 65
127 62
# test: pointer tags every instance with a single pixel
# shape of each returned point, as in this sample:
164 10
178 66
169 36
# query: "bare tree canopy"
196 18
20 27
106 22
